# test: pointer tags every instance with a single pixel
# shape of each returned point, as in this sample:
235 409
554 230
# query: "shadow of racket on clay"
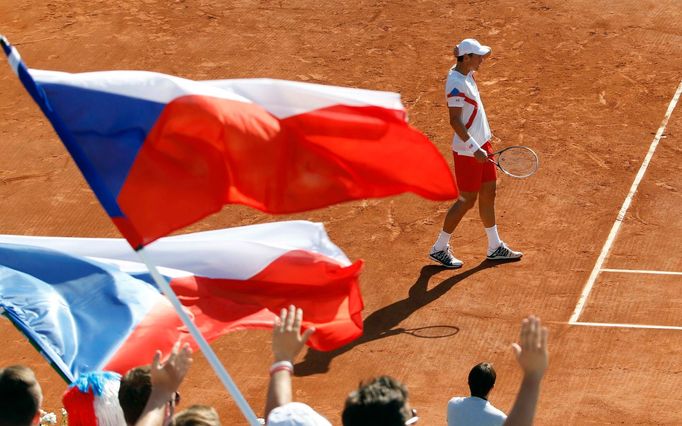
431 331
381 323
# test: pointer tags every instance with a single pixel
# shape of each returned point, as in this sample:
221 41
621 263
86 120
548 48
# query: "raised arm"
287 342
166 379
533 358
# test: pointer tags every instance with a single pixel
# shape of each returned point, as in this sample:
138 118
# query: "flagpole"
201 341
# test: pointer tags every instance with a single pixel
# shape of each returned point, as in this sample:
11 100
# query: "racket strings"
519 162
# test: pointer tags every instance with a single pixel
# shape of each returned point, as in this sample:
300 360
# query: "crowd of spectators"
148 395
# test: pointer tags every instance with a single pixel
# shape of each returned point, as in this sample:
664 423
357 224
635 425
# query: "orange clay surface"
584 82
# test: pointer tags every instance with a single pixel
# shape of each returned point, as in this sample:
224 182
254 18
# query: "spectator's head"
196 415
133 394
379 402
482 379
20 396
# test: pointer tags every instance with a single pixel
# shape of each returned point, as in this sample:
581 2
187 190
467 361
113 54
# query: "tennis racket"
516 161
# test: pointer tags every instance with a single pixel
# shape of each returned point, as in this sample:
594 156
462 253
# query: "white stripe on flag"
288 98
279 97
144 85
233 253
139 268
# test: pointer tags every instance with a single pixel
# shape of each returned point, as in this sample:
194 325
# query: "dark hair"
136 386
461 57
378 402
482 379
20 396
196 415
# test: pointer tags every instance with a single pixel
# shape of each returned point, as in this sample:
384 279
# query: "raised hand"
287 340
166 377
533 357
531 352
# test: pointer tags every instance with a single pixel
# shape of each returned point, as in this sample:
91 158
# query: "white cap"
296 414
470 45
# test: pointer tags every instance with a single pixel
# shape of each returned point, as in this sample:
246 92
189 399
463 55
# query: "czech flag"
88 305
161 152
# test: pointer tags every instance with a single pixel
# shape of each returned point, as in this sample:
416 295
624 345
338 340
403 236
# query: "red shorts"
471 174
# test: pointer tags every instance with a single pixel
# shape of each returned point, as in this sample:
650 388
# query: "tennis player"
476 176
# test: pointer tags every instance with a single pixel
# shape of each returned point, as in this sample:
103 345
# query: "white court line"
640 271
623 210
616 325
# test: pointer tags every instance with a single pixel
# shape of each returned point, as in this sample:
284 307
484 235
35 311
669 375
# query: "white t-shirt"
461 91
296 414
473 411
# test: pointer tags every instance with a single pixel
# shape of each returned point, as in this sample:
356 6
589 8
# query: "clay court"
587 84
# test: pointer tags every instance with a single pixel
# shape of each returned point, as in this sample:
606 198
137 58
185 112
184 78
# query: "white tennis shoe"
503 252
445 258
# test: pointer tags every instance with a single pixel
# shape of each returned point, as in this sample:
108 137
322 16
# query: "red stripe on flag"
327 292
205 152
160 329
126 228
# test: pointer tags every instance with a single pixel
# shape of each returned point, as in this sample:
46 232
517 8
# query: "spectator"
379 402
287 342
476 409
148 395
196 415
20 396
533 358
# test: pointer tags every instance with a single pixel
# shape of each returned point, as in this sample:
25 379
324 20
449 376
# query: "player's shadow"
382 323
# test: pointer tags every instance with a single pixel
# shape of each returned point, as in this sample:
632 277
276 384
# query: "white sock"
493 238
442 241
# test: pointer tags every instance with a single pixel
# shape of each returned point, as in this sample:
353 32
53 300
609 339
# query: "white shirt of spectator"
461 91
473 411
296 414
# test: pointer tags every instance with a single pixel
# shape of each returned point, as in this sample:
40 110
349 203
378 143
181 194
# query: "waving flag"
161 152
88 305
